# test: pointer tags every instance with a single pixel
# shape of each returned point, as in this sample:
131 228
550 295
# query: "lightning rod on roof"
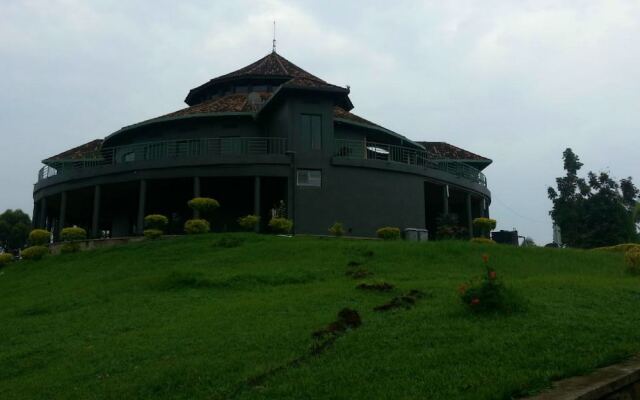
274 36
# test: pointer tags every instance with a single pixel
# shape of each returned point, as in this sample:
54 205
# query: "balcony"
365 150
171 151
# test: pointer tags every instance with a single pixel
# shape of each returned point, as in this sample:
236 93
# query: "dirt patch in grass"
228 242
358 273
376 286
406 301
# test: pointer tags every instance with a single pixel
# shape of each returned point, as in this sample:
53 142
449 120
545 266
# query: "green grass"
201 317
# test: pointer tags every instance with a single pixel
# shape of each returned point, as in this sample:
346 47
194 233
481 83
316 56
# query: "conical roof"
272 69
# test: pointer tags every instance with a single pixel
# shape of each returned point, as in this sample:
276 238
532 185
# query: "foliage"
487 294
529 242
15 226
205 206
273 293
280 225
483 226
39 237
621 248
152 233
249 222
34 252
632 259
5 259
73 233
156 222
196 226
592 212
337 229
482 240
448 227
70 247
388 233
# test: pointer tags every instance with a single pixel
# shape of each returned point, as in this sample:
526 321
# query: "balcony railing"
213 148
364 150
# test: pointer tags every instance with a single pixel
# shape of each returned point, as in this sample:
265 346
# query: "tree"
528 242
594 212
14 229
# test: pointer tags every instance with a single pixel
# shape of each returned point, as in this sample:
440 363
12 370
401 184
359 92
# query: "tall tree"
15 226
594 212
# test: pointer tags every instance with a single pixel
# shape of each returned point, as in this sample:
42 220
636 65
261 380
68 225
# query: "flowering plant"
486 293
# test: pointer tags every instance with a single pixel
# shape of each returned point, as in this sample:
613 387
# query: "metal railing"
169 150
365 150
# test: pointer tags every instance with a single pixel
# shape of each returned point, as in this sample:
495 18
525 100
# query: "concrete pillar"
142 200
42 215
445 199
63 212
96 211
469 215
196 193
256 199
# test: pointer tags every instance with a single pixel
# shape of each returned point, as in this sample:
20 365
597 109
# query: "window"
311 131
128 157
309 177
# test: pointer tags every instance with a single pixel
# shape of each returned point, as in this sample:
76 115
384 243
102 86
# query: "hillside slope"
197 317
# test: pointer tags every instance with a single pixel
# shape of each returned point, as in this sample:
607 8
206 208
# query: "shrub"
483 226
39 237
73 233
196 226
5 259
152 233
487 293
337 229
280 225
632 259
156 222
34 252
482 240
70 247
249 222
388 233
448 227
204 205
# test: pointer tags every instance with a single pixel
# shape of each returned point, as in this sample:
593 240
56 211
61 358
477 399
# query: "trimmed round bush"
204 205
73 233
152 233
337 229
483 226
632 259
196 226
249 222
5 259
280 225
34 252
482 240
388 233
39 237
156 222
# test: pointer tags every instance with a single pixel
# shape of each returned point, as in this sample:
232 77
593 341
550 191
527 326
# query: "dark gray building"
267 132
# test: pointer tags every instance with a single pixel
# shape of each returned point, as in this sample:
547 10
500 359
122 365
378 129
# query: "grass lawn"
186 318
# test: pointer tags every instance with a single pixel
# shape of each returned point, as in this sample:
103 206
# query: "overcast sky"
516 81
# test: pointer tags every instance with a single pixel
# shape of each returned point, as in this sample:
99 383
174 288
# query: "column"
469 215
96 211
142 199
42 215
256 199
196 193
445 199
63 212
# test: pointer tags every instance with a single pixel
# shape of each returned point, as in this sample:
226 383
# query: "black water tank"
505 237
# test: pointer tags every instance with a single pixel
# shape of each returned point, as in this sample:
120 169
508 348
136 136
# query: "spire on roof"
274 37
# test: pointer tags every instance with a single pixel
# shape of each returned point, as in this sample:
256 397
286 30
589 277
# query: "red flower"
485 258
475 301
492 275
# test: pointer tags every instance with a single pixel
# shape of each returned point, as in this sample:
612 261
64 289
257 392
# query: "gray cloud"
516 81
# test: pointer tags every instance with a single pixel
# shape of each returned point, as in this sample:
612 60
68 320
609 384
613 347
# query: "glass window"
309 177
128 157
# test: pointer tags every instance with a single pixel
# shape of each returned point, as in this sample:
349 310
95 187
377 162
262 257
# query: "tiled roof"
85 151
339 112
238 102
449 151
